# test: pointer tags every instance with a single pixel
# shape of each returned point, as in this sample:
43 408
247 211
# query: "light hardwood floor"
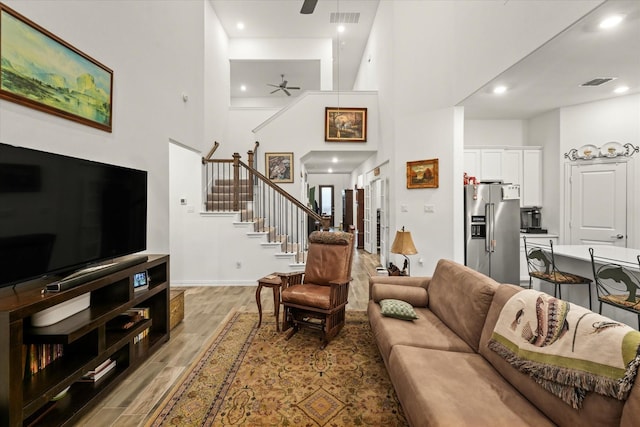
129 404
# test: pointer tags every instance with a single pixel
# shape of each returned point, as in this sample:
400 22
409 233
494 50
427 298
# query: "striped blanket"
567 349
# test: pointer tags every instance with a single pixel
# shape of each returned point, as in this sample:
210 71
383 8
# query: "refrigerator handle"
489 241
488 232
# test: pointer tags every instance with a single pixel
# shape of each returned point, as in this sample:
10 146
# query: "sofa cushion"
426 331
397 309
597 410
461 297
444 388
416 296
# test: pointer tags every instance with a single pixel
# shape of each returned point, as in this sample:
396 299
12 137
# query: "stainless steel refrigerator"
492 230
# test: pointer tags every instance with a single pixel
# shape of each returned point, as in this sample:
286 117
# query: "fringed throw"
567 349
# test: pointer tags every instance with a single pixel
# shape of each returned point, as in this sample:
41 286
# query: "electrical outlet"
238 264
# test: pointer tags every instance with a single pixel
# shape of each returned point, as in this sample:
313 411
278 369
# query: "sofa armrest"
422 282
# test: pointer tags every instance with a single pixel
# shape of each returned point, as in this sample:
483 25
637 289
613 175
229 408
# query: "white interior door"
598 211
384 221
367 218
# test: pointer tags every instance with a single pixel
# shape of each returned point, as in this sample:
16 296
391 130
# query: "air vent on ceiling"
598 81
344 18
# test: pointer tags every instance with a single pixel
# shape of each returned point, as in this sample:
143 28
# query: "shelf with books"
85 340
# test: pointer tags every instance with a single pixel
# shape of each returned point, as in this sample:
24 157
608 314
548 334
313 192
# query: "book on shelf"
100 371
36 357
144 313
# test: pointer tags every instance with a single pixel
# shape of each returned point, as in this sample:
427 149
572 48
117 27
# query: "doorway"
598 204
327 204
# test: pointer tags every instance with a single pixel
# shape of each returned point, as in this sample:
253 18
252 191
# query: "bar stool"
541 265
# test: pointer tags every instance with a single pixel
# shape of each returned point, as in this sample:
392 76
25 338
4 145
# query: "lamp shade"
403 243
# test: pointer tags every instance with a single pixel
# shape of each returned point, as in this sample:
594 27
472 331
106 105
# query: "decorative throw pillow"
398 309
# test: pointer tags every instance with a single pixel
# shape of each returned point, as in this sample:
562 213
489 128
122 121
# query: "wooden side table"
274 282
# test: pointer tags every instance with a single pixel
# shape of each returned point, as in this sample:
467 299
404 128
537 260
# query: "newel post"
236 180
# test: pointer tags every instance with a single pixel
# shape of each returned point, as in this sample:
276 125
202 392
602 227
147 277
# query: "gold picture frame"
279 167
422 174
42 71
345 124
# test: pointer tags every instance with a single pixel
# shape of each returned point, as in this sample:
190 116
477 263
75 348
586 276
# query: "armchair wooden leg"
292 332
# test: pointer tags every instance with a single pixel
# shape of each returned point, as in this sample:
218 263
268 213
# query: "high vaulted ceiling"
547 79
281 19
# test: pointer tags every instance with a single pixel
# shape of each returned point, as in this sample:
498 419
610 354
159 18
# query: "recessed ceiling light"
499 90
611 21
330 170
621 89
243 88
334 160
240 25
341 28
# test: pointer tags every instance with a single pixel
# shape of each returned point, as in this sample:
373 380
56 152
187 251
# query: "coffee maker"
531 220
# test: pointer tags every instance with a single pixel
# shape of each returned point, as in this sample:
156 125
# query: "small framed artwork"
345 124
279 167
422 174
42 71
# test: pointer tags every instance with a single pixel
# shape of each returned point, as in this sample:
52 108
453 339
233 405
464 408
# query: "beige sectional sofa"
443 370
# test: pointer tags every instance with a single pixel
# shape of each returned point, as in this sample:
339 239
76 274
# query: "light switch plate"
404 208
429 208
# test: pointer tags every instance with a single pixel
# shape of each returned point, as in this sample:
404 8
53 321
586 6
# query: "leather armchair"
317 298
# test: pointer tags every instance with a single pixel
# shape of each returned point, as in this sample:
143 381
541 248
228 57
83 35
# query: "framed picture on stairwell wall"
345 124
279 167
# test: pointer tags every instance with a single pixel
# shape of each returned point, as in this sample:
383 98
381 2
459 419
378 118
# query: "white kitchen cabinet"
512 167
491 164
516 165
531 187
472 162
532 240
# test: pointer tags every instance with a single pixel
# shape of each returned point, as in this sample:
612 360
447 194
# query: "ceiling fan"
283 86
308 6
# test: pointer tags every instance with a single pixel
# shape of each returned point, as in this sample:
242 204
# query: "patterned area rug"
254 377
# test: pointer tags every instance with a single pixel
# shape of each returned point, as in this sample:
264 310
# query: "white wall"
425 57
152 67
300 128
544 130
495 132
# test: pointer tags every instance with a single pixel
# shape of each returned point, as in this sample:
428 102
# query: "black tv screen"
59 214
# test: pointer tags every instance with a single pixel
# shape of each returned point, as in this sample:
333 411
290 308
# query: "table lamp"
403 245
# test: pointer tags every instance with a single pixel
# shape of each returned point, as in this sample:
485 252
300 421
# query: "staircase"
272 216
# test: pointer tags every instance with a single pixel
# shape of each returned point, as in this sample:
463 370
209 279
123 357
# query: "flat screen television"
59 214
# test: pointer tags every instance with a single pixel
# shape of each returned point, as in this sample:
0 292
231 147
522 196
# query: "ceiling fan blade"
287 92
293 87
283 84
269 84
275 90
308 6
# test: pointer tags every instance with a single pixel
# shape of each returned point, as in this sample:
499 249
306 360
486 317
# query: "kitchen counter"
536 235
576 259
623 256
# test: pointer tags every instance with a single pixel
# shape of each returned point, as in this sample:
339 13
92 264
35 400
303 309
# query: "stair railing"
233 185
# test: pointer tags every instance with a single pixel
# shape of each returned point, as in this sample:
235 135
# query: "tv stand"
87 339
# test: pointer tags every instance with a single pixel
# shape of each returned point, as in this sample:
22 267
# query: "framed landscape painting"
422 174
41 71
279 166
345 124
